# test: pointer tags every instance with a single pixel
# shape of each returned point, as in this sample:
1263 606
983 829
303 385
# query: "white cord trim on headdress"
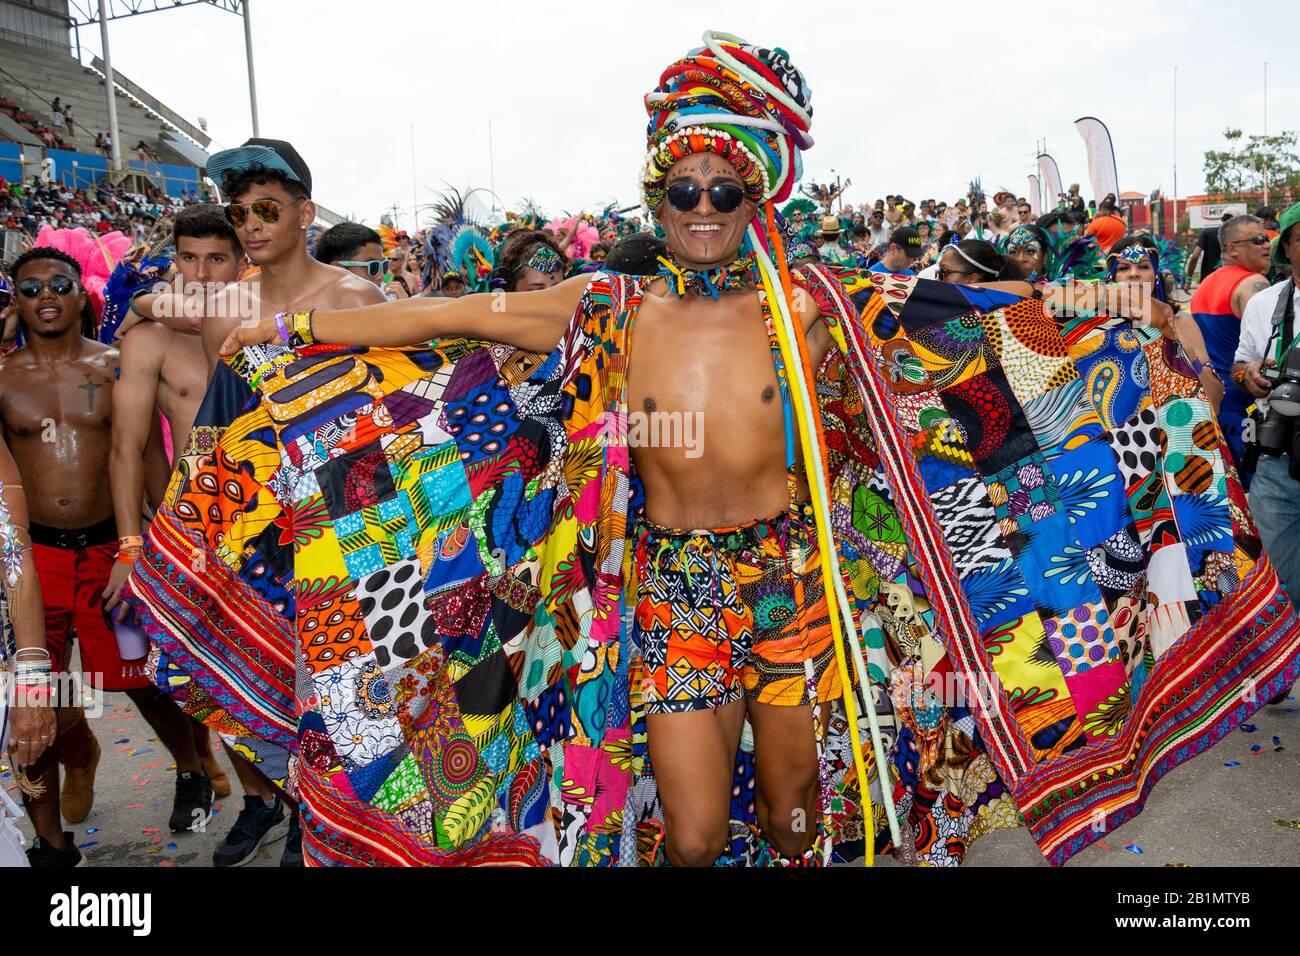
957 249
711 40
730 119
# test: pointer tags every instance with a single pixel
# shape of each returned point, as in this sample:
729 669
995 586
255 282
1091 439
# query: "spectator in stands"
67 119
56 109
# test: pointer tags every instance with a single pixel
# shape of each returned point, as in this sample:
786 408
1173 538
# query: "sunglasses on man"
267 210
374 267
59 285
685 196
1260 240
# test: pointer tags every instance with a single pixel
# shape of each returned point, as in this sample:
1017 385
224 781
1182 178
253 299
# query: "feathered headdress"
472 257
744 103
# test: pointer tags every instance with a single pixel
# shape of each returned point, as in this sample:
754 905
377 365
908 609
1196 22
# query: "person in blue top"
899 257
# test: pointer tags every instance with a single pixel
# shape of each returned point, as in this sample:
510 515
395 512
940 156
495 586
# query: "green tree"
1247 164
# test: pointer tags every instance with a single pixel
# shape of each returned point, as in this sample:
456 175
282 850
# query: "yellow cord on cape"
806 428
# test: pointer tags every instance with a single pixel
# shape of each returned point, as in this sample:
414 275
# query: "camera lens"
1285 398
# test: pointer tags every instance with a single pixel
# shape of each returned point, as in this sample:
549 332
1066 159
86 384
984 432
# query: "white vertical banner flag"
1035 196
1051 181
1101 156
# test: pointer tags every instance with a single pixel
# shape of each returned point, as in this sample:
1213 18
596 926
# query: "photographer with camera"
1267 365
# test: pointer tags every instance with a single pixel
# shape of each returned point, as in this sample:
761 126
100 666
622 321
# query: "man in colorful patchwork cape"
525 632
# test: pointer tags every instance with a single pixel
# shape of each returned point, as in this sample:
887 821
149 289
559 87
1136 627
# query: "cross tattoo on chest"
90 387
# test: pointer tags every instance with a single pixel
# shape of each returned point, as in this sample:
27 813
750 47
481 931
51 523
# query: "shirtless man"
692 355
56 399
165 370
269 186
269 191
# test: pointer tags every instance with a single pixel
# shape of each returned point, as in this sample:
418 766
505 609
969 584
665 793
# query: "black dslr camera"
1277 433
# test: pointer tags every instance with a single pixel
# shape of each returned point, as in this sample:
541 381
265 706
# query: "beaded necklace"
740 273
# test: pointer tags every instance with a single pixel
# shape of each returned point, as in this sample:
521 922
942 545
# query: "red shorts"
73 576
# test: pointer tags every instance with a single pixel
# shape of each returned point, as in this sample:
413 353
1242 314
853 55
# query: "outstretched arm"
529 320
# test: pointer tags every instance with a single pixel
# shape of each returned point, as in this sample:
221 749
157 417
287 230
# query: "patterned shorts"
725 613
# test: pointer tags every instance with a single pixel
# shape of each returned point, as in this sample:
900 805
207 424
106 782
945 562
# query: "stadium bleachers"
31 77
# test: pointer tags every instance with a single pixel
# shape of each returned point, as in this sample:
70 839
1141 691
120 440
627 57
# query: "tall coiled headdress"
744 103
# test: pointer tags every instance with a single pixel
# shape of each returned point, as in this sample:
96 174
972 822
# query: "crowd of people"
75 532
31 205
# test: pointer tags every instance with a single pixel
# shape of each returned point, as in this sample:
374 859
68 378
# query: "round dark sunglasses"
59 285
725 197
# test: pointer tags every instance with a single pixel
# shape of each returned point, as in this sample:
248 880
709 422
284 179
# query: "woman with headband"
1134 261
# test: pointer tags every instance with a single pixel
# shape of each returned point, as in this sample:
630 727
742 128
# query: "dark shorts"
727 612
73 567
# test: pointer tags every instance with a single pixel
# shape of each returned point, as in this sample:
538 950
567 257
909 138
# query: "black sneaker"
252 830
192 807
41 853
292 854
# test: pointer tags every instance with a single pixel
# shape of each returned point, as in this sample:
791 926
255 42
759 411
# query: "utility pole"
248 53
108 91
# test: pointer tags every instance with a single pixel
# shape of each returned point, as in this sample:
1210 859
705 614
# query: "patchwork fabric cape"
399 580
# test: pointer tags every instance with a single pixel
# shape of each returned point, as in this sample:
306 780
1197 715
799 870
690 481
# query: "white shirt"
1257 328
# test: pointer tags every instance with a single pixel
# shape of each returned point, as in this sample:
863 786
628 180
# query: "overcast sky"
911 97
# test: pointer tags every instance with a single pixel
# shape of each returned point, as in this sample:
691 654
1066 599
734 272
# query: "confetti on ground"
172 846
155 849
1249 728
133 806
149 831
1257 748
1178 864
1103 846
91 830
124 740
166 862
137 753
1133 848
90 843
1290 824
1276 742
1231 763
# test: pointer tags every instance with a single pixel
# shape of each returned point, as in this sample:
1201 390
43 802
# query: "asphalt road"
1203 813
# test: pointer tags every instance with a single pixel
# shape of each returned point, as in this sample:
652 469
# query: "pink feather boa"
97 256
586 237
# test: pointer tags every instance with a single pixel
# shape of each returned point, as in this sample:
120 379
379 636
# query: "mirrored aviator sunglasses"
266 210
59 285
725 197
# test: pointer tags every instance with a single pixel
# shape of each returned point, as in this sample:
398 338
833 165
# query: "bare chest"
700 357
79 397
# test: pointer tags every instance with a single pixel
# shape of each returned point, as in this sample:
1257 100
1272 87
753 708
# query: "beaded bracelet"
281 327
